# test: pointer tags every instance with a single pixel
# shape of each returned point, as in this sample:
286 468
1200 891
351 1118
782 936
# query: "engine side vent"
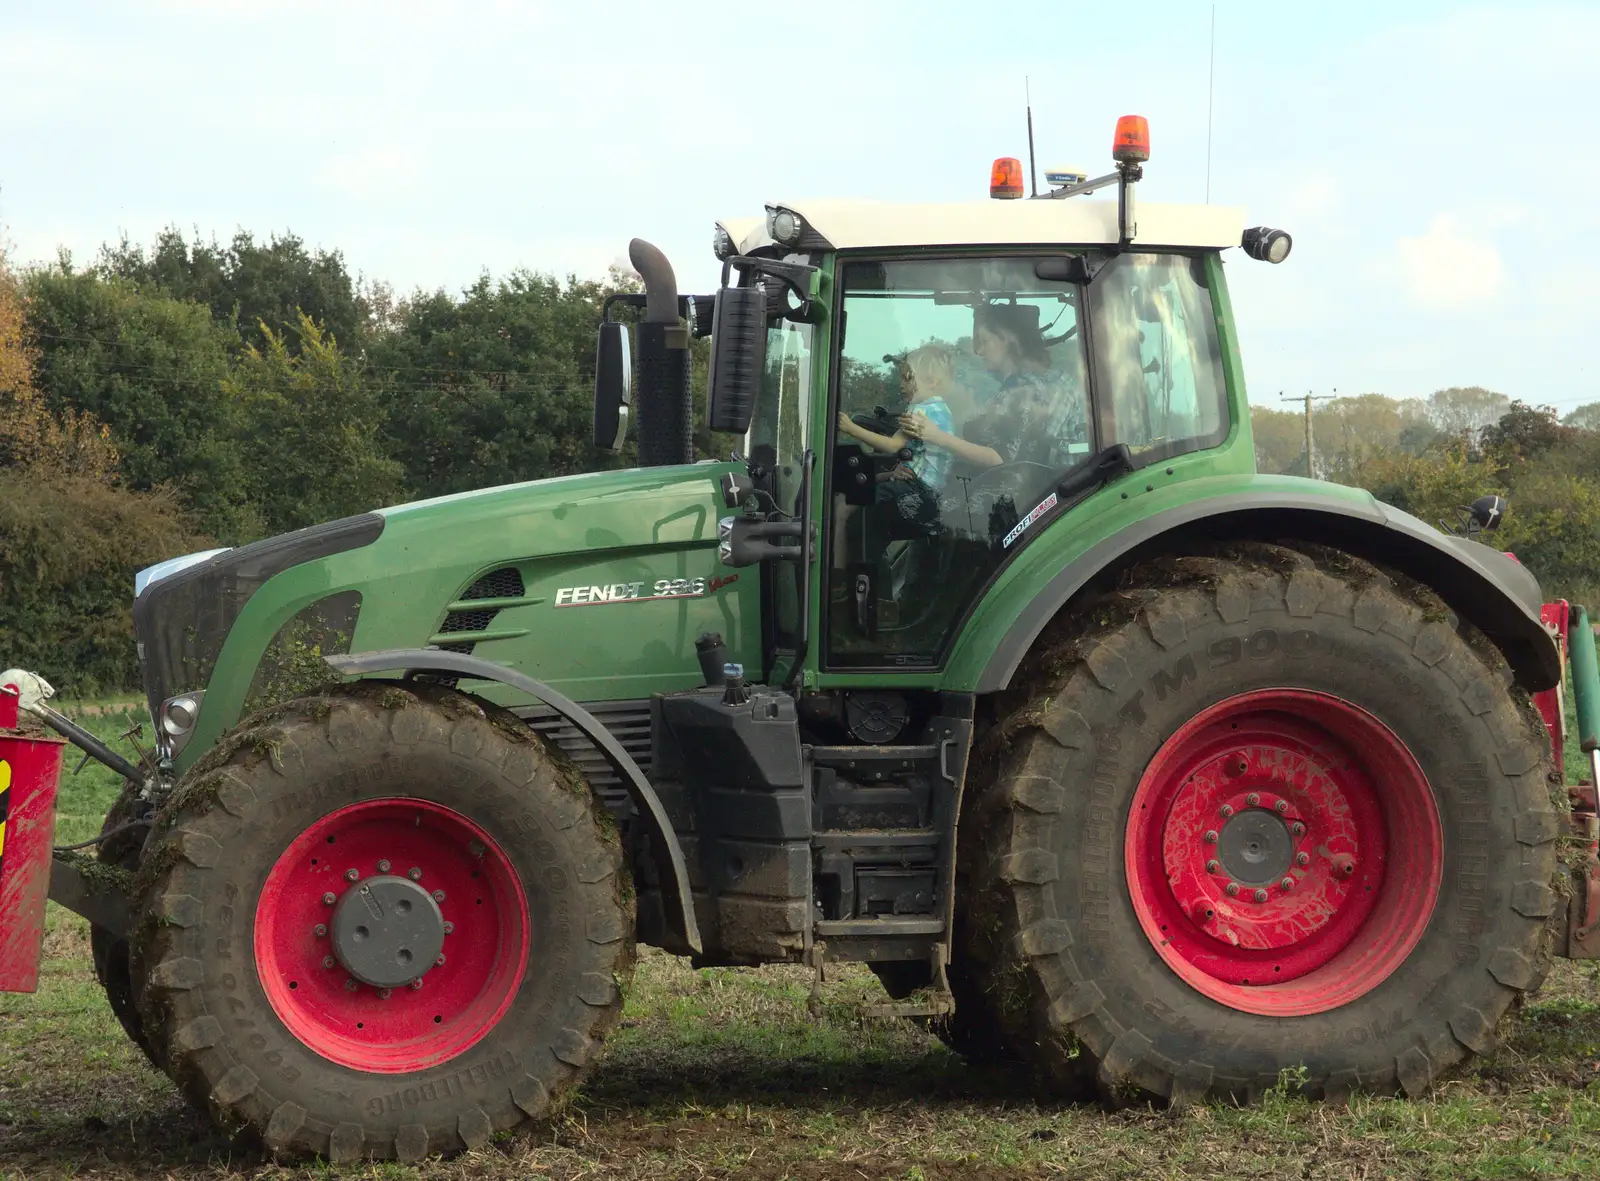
629 724
504 583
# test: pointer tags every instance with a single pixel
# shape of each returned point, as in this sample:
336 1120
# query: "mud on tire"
110 952
218 1020
1051 930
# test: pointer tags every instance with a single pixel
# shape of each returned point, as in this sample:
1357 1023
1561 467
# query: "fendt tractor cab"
990 662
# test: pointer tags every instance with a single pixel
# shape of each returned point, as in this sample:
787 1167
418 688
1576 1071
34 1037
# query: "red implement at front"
29 768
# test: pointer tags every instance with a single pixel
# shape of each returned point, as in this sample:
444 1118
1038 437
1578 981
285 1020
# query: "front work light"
784 226
1131 144
1266 245
1005 179
722 244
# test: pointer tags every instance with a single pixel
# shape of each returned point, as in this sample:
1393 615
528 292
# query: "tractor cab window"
962 401
1159 364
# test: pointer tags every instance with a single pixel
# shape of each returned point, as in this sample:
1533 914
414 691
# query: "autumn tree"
71 536
1465 410
1585 417
151 368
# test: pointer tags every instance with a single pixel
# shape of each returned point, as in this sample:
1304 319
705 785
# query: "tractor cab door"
963 399
777 447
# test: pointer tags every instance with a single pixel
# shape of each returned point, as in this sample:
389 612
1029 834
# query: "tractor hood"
490 572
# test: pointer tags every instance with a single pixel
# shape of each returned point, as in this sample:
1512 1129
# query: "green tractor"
991 663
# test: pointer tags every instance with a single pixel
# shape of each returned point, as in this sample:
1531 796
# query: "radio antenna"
1033 172
1211 89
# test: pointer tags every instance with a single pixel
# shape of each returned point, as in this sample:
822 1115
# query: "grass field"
723 1073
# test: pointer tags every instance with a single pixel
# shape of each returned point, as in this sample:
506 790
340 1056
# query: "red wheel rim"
455 1003
1284 852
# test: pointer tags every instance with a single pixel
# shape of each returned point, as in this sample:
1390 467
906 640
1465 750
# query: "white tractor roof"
1074 221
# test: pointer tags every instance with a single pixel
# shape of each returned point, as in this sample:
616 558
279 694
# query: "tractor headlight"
722 244
1267 245
178 716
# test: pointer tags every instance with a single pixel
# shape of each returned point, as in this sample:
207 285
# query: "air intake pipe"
662 400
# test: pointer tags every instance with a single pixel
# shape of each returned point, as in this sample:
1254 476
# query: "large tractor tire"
384 922
1261 812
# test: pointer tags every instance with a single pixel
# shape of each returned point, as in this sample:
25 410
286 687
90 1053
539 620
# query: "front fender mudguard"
663 841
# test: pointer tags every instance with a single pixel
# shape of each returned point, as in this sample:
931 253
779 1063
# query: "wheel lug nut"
1287 883
414 874
1227 811
351 875
1281 806
1302 859
1213 865
320 930
350 984
1260 895
1297 829
439 962
1253 799
1233 889
449 928
327 961
438 895
1211 836
416 984
328 899
383 866
383 994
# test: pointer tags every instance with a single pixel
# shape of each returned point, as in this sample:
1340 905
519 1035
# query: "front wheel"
1261 813
382 922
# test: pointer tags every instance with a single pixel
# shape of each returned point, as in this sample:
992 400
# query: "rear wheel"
1256 814
383 922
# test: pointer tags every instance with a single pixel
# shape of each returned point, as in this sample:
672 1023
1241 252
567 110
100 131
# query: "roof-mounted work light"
784 226
1266 245
1005 179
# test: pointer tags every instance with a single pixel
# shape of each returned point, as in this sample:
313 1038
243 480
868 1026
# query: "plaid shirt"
1033 418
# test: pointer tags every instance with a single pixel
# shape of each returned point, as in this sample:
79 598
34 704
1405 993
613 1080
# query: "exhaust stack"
666 432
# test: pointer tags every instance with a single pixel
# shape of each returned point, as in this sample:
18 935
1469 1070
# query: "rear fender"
663 841
1483 585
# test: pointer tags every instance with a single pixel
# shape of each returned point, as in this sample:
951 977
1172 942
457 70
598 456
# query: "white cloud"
1449 266
371 172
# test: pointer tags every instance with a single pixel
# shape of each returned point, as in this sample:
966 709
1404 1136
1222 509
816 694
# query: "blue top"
931 465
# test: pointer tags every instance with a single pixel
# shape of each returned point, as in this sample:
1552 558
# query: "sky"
1437 164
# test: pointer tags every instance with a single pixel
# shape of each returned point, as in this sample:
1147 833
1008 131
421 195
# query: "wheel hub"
353 957
1283 851
1255 847
387 931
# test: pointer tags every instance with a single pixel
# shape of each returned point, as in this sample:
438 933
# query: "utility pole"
1311 455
